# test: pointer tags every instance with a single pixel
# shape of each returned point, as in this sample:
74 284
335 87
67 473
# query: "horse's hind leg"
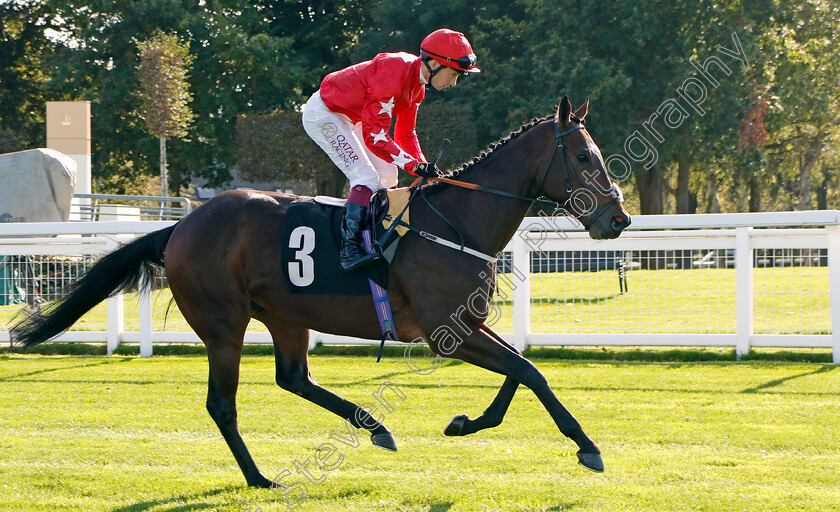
221 404
291 344
221 326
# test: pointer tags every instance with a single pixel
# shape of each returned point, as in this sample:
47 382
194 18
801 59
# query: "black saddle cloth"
311 244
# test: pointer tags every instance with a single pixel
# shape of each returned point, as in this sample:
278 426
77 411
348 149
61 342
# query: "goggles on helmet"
465 63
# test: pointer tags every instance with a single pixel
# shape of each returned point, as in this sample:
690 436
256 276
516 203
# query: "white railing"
739 280
736 234
108 207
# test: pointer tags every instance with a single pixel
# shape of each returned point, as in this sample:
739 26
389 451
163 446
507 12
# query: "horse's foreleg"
462 425
484 350
292 374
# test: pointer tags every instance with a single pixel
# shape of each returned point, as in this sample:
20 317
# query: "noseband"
564 158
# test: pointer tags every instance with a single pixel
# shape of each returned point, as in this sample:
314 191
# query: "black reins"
568 206
541 198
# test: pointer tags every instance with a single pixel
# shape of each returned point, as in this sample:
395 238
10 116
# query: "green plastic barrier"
11 283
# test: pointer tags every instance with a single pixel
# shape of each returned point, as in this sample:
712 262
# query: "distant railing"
737 280
741 280
107 207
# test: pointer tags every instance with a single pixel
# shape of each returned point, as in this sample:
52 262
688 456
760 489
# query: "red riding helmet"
451 49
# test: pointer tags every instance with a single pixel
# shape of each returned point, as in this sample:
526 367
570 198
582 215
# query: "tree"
254 58
751 138
275 148
237 68
323 33
439 120
164 91
623 61
807 65
24 47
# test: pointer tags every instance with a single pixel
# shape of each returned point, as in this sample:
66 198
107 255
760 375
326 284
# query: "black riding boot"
353 257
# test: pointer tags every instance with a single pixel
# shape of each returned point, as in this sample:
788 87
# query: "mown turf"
615 353
118 433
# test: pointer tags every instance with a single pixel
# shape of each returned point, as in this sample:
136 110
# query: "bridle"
568 205
613 191
418 188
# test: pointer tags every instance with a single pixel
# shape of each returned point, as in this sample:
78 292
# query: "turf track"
98 433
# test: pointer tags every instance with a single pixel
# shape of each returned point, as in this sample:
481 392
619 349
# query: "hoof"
591 461
455 427
384 441
261 482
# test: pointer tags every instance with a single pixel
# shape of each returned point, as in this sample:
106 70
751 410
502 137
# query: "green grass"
118 433
619 353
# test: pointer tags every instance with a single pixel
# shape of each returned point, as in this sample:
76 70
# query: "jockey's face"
446 77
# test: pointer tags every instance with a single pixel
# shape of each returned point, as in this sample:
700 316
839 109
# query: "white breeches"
343 142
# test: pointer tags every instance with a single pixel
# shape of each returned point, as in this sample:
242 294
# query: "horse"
222 263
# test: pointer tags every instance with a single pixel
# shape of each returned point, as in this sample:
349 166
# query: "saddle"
312 241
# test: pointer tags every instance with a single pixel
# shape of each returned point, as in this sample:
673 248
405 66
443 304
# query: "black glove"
426 170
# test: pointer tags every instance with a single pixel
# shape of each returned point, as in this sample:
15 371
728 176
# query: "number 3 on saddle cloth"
312 241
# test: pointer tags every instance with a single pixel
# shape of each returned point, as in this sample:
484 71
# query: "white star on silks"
401 159
381 136
387 106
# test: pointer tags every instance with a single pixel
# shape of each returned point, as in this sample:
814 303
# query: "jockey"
350 117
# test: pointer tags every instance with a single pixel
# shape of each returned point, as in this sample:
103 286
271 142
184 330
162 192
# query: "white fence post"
743 291
833 233
145 316
521 264
818 230
116 321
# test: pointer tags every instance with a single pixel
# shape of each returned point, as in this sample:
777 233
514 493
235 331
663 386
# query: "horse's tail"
123 269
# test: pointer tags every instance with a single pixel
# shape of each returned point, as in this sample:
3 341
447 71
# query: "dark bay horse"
223 266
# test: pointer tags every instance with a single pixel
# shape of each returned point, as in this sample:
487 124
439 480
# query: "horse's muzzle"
619 222
606 228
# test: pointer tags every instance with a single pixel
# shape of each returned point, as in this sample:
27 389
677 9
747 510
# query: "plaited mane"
484 155
489 150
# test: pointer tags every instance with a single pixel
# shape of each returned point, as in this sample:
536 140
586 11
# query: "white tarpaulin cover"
36 186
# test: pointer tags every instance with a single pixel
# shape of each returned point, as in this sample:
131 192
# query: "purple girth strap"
380 302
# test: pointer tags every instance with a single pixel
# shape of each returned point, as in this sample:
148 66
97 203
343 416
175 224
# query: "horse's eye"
583 158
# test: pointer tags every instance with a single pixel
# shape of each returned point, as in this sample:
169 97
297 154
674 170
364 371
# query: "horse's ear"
582 110
564 111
